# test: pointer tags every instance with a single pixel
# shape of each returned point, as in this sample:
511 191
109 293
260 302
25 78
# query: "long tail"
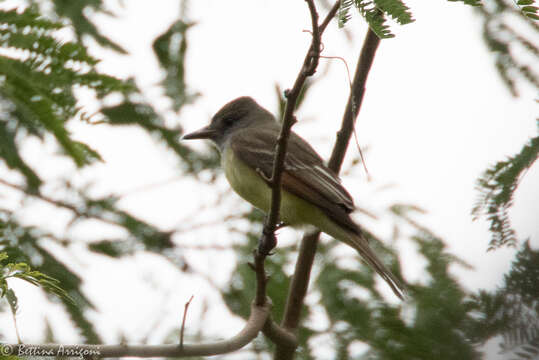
359 243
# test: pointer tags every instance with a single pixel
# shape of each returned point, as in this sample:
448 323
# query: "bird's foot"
267 242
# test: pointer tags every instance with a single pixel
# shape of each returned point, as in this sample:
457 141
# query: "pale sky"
435 115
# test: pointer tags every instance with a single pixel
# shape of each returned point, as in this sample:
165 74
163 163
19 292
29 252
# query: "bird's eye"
228 121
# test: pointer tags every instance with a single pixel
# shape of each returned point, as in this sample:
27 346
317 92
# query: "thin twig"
183 320
329 16
355 133
307 251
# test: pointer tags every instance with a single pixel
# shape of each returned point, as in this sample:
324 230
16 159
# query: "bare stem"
255 323
307 251
310 63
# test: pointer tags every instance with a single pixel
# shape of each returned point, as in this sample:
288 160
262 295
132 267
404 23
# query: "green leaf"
530 9
88 154
113 248
375 12
170 49
77 11
37 78
396 9
343 14
525 2
497 186
469 2
510 311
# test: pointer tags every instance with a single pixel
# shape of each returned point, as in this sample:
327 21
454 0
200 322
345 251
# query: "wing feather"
305 174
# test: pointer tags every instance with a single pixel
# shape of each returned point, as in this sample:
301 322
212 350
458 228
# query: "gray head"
238 114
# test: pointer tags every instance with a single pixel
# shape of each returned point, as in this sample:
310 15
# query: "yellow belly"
250 186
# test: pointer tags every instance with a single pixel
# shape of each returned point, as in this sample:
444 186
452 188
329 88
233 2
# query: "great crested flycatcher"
312 194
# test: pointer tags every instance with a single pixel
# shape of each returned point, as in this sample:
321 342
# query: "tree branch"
261 278
310 63
279 335
307 251
366 58
257 320
268 241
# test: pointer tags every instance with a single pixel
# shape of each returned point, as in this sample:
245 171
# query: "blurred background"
98 191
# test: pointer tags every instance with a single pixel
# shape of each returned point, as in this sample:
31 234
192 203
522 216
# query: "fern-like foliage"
510 33
496 190
396 10
75 13
24 272
430 325
469 2
512 311
23 245
528 9
170 48
38 75
375 13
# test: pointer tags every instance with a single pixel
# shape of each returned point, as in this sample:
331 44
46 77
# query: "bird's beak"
204 133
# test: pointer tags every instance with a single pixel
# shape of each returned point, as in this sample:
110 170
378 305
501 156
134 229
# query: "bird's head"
238 114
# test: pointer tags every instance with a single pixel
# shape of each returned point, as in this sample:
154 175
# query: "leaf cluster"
512 311
509 32
76 14
33 262
24 272
170 49
497 186
376 13
527 8
39 79
434 322
38 76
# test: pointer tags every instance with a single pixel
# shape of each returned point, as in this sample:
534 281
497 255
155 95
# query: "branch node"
279 335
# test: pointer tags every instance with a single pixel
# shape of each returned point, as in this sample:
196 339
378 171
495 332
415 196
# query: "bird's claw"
267 242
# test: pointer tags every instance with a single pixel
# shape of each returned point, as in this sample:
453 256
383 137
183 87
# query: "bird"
312 194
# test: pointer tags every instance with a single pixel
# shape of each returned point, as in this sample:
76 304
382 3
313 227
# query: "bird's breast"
248 183
245 180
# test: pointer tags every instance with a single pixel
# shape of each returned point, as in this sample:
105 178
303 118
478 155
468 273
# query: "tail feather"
359 243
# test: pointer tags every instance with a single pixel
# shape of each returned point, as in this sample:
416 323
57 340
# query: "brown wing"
304 175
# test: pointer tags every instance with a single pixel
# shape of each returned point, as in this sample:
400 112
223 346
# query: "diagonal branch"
307 251
255 323
308 68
